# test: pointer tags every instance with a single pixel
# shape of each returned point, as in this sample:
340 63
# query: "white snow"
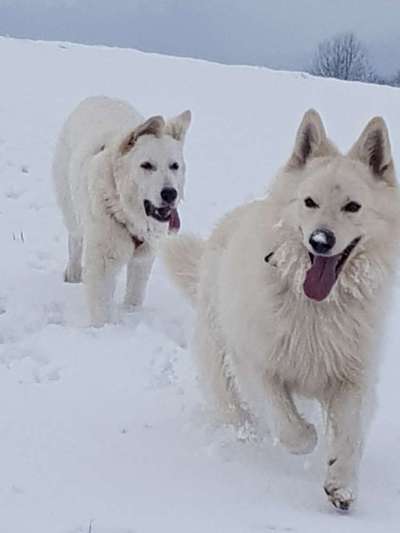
104 431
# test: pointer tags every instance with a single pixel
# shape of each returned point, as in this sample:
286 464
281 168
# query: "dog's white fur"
101 188
260 341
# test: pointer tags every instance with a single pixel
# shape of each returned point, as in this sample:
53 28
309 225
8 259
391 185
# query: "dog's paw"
72 275
299 439
341 498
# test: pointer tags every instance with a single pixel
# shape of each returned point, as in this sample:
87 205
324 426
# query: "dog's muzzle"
163 214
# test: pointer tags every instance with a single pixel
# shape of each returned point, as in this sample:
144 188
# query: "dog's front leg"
138 273
345 441
73 272
291 429
100 278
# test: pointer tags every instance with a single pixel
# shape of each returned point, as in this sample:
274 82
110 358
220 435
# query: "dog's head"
150 169
343 205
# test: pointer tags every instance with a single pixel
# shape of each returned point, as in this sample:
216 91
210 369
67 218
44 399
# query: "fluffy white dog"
118 180
290 293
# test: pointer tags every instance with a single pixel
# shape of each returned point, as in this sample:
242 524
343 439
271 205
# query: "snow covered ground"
104 431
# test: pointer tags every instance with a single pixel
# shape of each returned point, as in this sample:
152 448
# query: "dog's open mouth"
163 214
324 272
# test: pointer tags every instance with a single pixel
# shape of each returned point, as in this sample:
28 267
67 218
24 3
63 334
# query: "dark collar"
135 239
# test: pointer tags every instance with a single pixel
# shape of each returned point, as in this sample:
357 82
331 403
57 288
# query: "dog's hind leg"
73 271
212 354
214 373
138 273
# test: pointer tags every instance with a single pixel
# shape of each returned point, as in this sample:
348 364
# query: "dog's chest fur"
309 345
317 343
314 346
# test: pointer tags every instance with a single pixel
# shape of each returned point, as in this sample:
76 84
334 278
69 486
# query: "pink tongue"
174 221
321 277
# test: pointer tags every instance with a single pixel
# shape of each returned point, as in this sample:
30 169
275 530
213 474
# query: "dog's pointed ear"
373 149
311 141
178 126
152 126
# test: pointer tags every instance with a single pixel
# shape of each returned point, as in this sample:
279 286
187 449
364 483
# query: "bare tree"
343 57
395 81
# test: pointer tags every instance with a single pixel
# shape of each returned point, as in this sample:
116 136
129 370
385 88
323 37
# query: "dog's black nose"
322 240
169 195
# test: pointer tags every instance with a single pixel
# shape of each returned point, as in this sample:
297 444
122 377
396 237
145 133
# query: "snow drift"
104 430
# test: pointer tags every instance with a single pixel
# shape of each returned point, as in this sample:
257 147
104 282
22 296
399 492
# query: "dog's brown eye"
147 165
309 202
351 207
174 166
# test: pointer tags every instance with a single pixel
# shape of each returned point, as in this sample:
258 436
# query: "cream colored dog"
118 179
290 293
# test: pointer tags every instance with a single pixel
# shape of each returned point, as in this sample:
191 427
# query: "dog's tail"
182 256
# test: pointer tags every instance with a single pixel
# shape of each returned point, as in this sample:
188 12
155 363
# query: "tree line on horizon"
345 57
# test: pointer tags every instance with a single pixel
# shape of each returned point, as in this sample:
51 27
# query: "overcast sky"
278 33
